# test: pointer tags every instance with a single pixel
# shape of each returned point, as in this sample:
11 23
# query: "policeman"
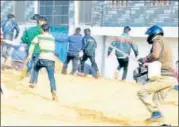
155 91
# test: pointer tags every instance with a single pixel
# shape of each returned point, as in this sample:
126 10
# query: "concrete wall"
135 32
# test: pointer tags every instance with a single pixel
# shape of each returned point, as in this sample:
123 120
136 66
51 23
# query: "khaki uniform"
157 88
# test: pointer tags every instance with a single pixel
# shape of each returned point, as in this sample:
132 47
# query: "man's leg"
65 65
84 58
50 65
7 52
126 63
4 52
34 76
149 95
75 63
93 63
116 74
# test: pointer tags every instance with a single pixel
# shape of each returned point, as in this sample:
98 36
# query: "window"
85 11
119 3
56 12
160 2
23 10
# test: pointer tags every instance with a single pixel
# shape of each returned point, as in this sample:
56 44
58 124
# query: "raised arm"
135 49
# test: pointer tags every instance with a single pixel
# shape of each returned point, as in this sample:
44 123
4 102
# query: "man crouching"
46 58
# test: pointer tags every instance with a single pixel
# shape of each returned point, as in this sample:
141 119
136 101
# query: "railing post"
103 55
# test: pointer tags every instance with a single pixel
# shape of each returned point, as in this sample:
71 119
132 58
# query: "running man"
124 43
46 58
9 27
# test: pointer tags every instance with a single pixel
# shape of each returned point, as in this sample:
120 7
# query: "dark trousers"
123 63
49 65
93 62
74 57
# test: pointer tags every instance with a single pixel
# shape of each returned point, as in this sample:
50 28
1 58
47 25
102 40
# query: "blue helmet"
127 28
153 31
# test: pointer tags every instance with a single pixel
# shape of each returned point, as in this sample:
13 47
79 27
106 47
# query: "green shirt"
29 35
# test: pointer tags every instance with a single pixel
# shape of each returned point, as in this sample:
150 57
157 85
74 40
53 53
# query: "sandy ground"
82 101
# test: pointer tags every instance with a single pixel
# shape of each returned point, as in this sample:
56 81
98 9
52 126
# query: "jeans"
7 50
123 63
88 70
74 57
8 36
93 62
31 63
49 65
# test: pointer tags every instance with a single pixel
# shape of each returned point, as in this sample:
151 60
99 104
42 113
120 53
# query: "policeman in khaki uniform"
156 89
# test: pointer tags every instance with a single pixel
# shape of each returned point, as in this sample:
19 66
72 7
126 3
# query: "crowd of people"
38 50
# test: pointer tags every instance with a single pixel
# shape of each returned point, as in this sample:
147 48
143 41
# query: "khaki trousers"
155 91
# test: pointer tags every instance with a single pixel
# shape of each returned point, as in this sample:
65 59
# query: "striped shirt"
47 46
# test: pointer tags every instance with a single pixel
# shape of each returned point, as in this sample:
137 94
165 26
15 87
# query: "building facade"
58 13
127 12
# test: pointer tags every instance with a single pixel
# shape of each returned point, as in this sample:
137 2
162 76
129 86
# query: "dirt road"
82 101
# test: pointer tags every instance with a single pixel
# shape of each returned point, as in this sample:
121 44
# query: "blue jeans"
49 65
31 63
7 50
8 36
88 70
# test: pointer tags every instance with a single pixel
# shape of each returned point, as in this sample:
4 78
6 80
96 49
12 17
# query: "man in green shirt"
27 38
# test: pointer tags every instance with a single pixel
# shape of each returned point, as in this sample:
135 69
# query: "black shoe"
165 125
